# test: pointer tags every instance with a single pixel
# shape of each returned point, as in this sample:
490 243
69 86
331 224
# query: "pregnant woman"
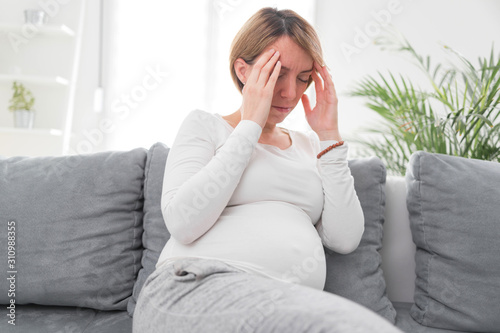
250 205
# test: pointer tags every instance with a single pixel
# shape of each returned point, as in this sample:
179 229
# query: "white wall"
469 26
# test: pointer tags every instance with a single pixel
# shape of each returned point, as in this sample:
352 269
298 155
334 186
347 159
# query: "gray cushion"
78 226
358 275
408 325
66 319
455 221
155 232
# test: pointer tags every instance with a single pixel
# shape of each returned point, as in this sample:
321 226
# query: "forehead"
292 56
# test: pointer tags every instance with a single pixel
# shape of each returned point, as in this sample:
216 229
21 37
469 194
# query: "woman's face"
296 68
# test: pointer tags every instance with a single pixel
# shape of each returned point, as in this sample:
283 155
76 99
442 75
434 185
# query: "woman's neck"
269 129
271 134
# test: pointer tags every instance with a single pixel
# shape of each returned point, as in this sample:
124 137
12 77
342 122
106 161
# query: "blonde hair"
264 28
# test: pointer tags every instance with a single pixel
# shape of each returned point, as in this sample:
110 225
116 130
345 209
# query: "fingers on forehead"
265 57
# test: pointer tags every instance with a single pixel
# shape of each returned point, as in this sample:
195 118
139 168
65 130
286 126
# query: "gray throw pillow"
77 223
455 221
358 275
155 231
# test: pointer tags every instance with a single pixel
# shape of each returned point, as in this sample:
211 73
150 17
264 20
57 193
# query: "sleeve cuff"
336 154
327 143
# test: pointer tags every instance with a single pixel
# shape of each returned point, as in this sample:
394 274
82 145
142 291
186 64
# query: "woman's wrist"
329 135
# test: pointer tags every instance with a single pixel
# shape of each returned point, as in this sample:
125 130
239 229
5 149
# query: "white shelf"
53 30
30 142
46 80
31 131
42 78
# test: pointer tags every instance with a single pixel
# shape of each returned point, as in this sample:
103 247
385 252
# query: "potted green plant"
21 104
457 114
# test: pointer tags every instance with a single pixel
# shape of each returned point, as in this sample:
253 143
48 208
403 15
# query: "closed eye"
303 80
300 79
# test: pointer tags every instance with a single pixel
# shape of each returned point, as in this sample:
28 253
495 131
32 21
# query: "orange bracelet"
335 145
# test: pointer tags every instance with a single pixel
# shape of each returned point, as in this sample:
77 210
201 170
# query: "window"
164 59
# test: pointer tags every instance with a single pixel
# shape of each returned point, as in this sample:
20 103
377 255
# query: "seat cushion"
358 275
408 325
49 319
454 217
75 226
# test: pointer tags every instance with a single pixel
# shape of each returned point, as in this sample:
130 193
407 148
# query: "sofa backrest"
75 226
398 249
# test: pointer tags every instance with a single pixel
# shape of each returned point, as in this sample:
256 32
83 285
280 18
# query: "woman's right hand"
259 89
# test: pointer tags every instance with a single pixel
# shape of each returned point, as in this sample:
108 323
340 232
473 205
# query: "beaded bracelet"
335 145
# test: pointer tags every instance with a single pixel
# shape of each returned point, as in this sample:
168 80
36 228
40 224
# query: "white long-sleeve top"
255 206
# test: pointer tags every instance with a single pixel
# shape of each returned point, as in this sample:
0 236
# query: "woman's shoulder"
199 116
200 120
203 124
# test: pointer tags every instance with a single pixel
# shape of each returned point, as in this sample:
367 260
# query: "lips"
282 108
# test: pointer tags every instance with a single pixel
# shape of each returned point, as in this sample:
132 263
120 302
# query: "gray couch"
82 233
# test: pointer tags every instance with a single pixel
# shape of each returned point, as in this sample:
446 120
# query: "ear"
242 70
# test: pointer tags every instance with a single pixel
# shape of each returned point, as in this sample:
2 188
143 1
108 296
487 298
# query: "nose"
288 89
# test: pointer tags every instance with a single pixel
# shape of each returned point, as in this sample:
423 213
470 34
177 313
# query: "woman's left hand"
323 118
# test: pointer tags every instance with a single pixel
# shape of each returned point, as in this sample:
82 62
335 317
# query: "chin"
277 118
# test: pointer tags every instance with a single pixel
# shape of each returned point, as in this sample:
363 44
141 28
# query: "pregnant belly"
269 238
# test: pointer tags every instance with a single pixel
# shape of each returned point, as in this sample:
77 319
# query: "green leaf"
459 115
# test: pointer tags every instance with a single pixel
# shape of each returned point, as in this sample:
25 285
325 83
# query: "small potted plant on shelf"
21 104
